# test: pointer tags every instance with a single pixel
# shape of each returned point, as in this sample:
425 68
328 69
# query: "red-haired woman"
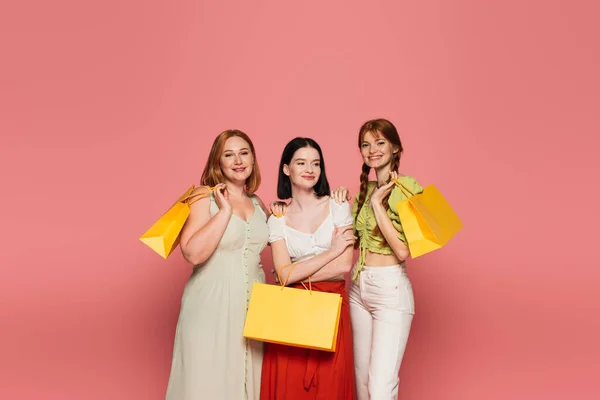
381 296
223 238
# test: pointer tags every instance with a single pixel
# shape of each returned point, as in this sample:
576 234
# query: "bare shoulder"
325 200
199 203
199 216
201 191
200 198
259 200
261 204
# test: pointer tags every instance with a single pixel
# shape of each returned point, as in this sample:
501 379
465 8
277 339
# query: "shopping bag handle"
283 284
309 288
403 188
192 198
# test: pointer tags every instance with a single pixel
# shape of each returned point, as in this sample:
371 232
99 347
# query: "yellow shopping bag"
427 219
293 317
163 236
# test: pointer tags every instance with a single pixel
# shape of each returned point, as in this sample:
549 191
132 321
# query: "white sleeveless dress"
211 358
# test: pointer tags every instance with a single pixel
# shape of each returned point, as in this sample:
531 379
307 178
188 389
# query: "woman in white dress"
223 238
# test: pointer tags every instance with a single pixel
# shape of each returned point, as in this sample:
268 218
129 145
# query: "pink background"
107 110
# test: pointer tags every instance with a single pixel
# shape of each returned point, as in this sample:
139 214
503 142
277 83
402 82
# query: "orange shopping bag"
163 236
427 219
293 317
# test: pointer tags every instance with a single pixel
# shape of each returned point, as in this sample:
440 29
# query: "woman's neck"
383 175
236 189
304 199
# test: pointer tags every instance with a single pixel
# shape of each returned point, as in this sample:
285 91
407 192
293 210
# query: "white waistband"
384 268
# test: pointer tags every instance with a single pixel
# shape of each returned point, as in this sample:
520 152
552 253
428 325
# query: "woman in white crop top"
316 235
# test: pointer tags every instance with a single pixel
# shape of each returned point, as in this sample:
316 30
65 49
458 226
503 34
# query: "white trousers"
381 309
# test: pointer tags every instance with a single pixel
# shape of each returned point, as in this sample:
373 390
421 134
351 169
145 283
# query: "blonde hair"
213 175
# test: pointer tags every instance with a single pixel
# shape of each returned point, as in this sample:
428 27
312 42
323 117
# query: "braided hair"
377 127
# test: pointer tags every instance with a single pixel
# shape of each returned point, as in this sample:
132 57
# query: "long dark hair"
284 185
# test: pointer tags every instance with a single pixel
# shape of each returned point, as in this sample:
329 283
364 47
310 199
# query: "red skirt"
294 373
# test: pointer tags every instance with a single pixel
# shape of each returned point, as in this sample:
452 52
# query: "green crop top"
366 222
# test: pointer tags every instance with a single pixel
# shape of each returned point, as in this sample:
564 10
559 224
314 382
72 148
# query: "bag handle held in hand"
284 283
192 198
403 188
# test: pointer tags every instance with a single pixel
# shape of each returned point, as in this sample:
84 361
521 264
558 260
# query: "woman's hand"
342 238
380 193
274 272
222 198
340 195
278 208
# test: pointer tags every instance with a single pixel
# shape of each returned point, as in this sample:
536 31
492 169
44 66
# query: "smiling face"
236 160
376 150
304 169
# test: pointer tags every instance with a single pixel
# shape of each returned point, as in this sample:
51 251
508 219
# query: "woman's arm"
390 234
342 240
201 234
387 229
339 266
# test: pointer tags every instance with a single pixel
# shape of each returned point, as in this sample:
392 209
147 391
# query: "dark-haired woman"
315 234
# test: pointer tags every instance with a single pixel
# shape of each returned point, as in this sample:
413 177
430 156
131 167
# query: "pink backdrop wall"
107 110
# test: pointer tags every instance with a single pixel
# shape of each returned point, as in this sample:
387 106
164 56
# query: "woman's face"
236 160
376 151
304 169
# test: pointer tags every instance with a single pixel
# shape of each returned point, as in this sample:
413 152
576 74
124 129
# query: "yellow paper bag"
293 317
163 236
427 219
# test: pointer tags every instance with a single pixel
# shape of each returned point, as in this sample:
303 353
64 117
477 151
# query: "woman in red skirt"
315 234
